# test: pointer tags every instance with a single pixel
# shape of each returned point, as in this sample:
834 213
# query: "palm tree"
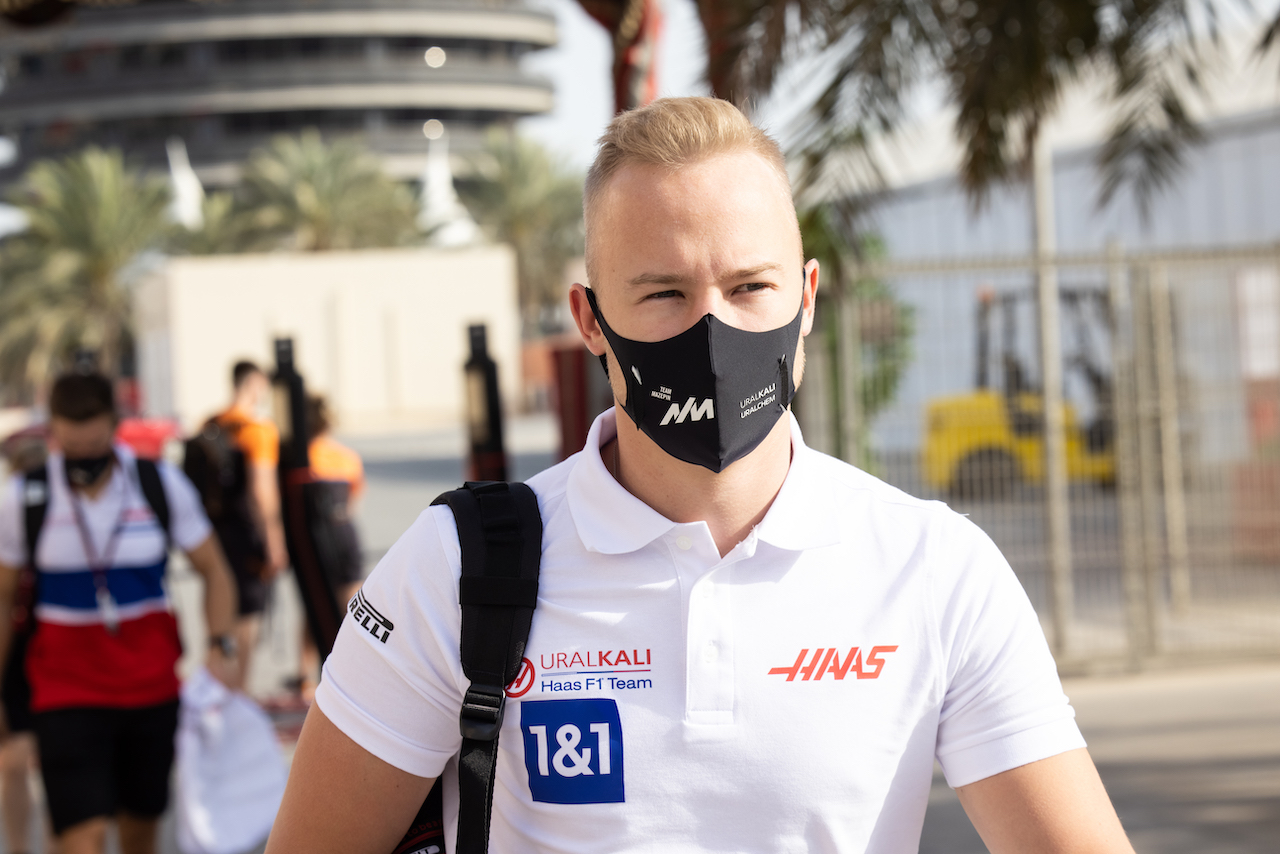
529 200
226 228
64 282
1005 65
311 195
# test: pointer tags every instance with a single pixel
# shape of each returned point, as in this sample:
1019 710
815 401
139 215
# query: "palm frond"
66 280
313 195
533 202
1145 148
1270 36
1005 64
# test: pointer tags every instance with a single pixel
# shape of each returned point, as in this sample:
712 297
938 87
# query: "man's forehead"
682 202
748 169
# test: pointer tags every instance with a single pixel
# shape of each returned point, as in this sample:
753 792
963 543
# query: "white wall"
383 333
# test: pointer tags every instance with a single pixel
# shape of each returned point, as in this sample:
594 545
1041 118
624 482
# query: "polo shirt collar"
803 515
610 520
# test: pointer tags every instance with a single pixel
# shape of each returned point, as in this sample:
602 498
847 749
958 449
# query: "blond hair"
675 132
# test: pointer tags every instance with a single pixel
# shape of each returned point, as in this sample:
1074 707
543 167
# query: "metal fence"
1152 533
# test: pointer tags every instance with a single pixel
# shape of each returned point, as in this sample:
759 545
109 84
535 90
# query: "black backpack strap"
500 532
153 491
35 505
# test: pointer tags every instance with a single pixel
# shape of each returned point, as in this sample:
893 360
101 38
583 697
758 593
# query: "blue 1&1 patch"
573 751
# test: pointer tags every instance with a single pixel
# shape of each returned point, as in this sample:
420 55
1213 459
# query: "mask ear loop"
785 378
785 381
633 406
635 399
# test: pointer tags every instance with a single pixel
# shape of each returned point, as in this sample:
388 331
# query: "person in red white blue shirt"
101 662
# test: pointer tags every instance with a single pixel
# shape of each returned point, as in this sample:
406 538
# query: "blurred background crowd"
1049 233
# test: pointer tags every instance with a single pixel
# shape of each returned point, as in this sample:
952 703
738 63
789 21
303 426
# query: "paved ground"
1235 599
1191 758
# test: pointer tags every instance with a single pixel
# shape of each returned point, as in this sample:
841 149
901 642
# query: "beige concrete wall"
383 333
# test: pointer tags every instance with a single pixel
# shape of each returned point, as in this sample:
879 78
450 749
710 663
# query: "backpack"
500 531
215 465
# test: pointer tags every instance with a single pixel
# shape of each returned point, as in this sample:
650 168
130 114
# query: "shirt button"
710 654
684 543
707 591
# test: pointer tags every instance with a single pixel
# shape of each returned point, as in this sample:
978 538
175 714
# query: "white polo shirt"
788 697
74 661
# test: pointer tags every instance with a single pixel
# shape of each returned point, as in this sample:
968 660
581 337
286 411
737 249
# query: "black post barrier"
307 506
488 459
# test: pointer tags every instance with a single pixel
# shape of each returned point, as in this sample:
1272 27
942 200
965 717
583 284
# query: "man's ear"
585 318
810 295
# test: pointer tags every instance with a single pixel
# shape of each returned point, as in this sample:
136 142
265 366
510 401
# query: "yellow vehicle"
981 444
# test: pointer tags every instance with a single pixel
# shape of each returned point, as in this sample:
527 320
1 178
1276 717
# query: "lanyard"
99 564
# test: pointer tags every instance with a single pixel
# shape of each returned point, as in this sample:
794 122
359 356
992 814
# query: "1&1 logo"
573 751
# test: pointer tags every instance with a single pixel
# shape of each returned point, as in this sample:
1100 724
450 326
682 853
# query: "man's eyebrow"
676 278
657 279
749 272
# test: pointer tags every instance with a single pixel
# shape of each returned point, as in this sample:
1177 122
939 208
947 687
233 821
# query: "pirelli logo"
369 618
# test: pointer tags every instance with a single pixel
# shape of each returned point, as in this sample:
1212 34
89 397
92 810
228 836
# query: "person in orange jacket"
333 461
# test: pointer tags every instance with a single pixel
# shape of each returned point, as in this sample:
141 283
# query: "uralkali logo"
828 661
691 409
577 660
592 670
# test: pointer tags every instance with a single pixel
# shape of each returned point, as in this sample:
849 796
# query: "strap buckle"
482 709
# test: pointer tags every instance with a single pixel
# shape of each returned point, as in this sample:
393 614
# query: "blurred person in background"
102 657
232 461
17 764
340 466
18 746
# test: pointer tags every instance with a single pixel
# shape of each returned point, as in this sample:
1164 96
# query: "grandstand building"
226 76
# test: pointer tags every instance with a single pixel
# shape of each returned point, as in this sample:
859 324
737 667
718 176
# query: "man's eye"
752 286
663 295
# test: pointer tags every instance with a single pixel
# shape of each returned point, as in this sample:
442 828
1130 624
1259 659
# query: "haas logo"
829 661
523 681
691 408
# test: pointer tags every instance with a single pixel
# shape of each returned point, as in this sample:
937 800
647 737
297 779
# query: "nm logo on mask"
691 409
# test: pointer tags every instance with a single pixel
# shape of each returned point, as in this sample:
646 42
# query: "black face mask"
711 394
85 471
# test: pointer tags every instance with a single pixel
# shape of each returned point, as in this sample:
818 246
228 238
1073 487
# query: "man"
104 694
740 644
18 743
248 521
343 470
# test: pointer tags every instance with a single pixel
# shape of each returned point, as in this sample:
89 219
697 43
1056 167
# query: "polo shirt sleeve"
393 683
13 540
189 526
1003 705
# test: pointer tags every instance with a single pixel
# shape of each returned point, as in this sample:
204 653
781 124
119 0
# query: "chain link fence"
1158 540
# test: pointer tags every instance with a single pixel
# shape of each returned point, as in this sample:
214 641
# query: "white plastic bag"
231 774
